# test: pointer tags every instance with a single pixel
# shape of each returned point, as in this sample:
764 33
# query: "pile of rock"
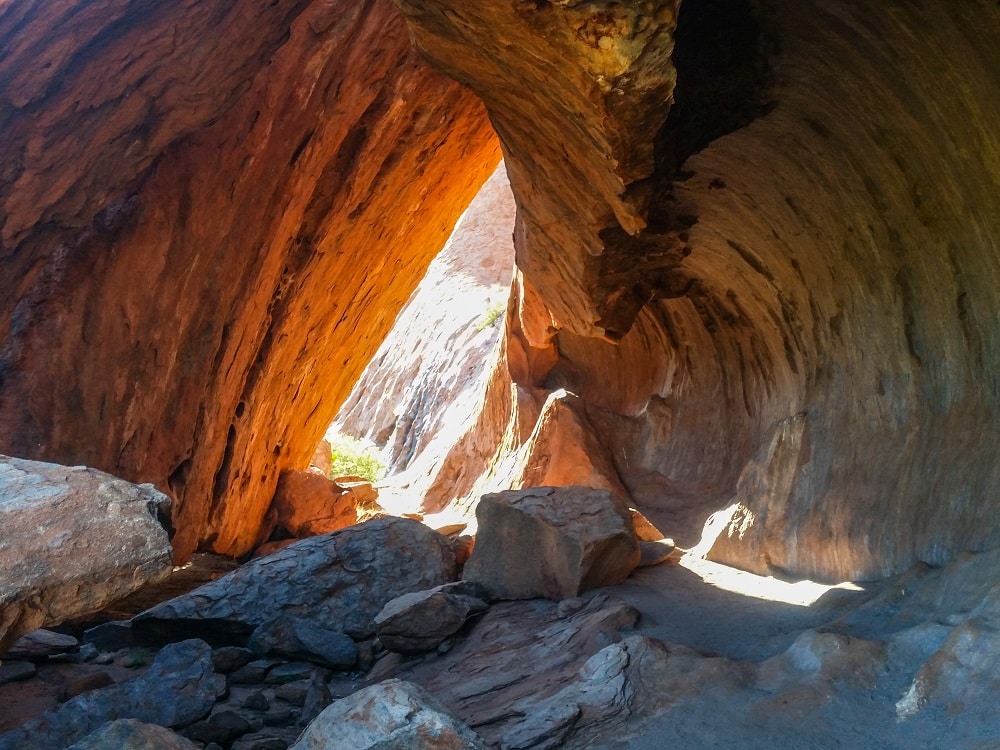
247 661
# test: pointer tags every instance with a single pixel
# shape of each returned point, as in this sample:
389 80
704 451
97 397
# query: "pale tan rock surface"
73 540
392 714
551 542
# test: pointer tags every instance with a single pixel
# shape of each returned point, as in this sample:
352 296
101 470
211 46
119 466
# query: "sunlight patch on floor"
802 593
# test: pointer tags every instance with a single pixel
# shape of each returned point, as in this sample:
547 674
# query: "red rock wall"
209 217
787 215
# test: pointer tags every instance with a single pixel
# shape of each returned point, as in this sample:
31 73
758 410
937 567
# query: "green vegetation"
134 658
354 458
493 313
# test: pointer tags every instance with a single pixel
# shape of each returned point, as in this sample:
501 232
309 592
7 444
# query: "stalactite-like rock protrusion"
786 215
210 214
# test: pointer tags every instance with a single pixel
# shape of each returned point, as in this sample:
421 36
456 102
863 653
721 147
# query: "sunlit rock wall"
210 214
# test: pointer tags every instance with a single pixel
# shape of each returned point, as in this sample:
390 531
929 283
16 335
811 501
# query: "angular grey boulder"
130 734
299 638
341 580
419 622
392 714
179 688
72 540
551 542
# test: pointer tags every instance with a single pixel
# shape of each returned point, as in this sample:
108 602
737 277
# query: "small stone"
230 658
88 652
654 553
15 671
290 672
104 659
278 717
257 702
223 728
252 673
293 694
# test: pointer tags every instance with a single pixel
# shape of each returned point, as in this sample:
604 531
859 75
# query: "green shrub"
493 313
354 458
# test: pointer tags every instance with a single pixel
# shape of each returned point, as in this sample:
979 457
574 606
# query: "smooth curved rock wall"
796 247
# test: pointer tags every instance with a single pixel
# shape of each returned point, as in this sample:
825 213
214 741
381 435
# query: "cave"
756 247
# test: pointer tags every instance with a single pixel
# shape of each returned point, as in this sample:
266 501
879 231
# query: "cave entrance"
418 394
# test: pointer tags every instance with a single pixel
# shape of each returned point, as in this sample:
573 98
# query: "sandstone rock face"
307 504
786 231
431 369
71 541
179 688
551 542
341 579
393 714
210 216
130 734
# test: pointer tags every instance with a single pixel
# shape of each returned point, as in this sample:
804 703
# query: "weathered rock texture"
393 714
341 579
431 369
211 214
179 688
551 541
130 734
73 540
786 216
307 503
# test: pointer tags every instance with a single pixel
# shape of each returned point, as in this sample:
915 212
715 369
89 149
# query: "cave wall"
762 239
210 215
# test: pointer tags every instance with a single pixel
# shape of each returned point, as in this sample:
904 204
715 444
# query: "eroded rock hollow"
756 241
759 241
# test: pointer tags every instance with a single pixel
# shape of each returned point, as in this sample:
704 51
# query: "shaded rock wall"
210 215
786 214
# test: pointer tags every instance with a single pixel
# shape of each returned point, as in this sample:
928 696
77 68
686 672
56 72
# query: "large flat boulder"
391 714
73 540
341 580
551 542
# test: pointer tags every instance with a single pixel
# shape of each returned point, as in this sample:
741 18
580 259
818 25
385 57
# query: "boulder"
179 688
73 540
39 644
552 542
322 459
418 622
307 504
130 734
520 655
341 579
298 638
959 677
391 714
